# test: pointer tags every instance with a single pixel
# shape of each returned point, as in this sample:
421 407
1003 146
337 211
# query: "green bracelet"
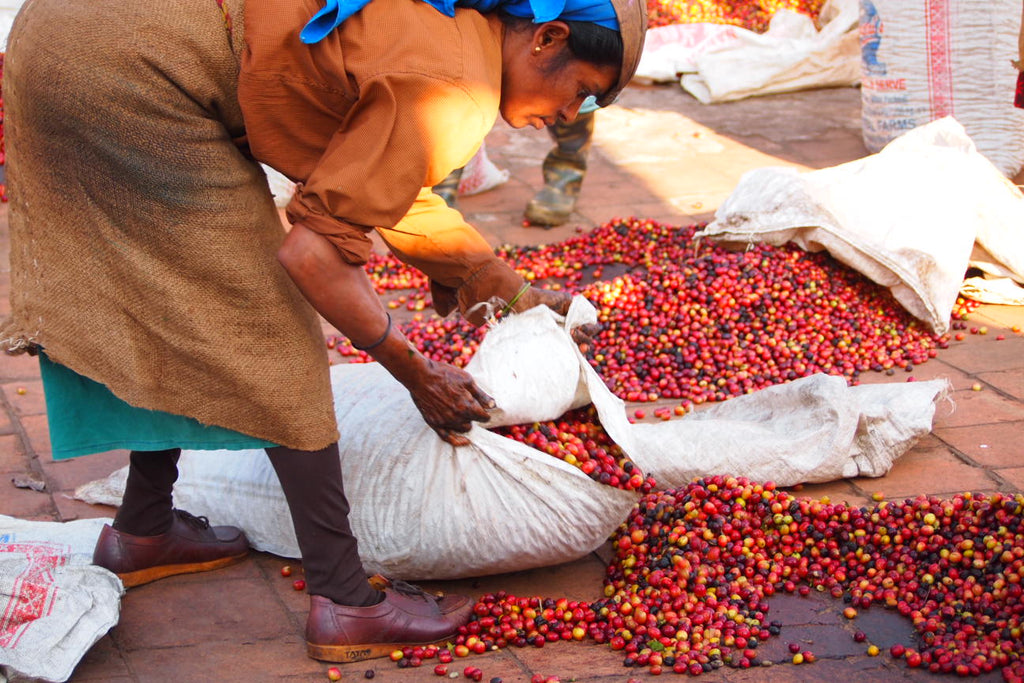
510 304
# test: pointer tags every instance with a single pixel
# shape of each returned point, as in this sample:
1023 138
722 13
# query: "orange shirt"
369 119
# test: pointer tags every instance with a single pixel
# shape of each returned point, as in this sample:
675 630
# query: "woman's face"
542 83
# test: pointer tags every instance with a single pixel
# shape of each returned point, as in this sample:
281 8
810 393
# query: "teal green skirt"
85 417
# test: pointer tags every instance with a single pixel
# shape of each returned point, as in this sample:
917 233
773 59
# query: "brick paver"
658 154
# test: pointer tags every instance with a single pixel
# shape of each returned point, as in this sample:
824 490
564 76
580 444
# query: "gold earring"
536 50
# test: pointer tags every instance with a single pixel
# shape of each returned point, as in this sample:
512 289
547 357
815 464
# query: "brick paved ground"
659 155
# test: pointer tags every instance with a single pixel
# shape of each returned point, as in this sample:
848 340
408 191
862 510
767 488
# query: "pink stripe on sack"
34 590
940 73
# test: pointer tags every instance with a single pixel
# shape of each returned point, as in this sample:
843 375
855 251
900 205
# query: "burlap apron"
143 240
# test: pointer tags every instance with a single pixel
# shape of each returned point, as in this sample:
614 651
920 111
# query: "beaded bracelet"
510 304
380 341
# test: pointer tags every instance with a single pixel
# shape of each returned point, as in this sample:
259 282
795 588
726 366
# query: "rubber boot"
448 188
564 169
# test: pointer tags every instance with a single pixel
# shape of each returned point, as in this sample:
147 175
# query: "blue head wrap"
600 12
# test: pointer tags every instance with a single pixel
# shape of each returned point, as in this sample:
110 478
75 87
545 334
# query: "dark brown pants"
313 487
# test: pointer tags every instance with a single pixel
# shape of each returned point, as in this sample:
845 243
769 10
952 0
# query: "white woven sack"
923 60
815 429
54 603
421 508
532 369
672 50
481 174
791 55
907 217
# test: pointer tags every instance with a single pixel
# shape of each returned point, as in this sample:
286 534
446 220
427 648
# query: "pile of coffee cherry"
683 322
753 15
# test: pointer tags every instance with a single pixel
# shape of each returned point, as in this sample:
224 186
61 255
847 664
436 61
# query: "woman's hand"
557 300
446 396
449 400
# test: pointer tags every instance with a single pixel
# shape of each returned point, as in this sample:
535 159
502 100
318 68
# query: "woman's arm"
342 293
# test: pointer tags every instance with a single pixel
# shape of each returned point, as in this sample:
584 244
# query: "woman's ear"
551 34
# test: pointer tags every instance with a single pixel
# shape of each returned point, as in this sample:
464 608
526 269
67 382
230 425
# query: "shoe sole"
547 220
358 653
143 576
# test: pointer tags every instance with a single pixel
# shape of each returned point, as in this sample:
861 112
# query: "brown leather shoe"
406 617
191 545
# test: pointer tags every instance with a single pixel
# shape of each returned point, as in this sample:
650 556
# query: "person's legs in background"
564 169
448 188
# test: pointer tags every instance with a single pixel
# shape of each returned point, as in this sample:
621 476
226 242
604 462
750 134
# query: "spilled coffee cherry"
687 322
693 569
753 15
692 322
579 439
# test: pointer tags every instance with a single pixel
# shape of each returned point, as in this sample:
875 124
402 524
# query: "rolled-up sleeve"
352 241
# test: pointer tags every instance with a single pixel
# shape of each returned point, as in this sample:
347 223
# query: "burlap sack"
143 239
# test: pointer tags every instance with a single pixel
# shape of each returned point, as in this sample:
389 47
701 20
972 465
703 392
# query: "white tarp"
423 509
720 63
907 217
